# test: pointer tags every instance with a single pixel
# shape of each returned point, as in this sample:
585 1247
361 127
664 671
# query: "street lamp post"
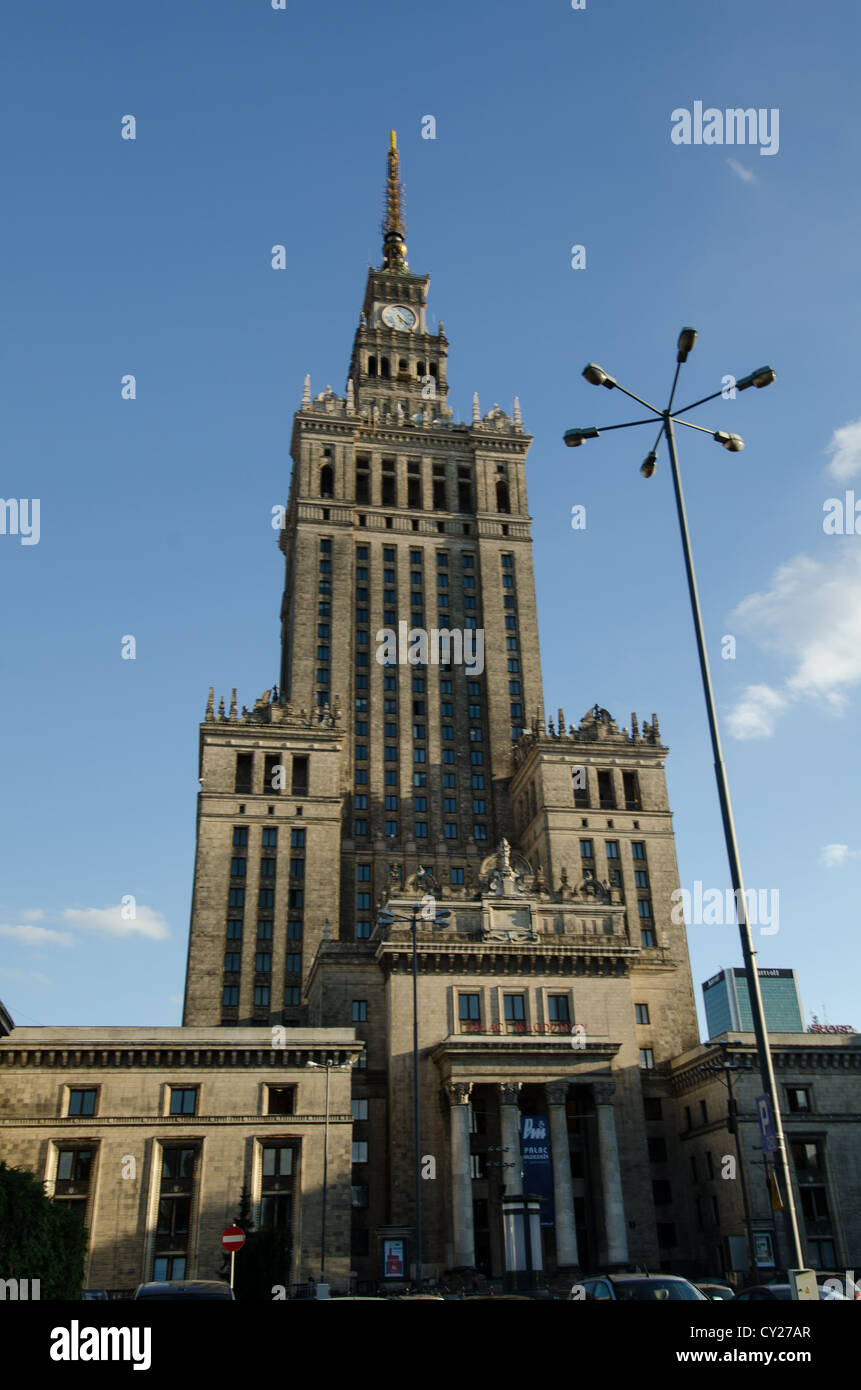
439 918
668 418
726 1069
328 1065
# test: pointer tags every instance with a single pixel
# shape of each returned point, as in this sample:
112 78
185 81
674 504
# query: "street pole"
748 952
325 1179
416 1108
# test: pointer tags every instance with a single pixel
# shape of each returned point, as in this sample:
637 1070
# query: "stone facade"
819 1082
91 1112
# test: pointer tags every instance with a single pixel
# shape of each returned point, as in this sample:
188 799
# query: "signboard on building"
766 1124
394 1264
537 1168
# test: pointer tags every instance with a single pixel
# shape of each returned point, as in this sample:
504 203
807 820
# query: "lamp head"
733 442
597 376
574 438
763 376
687 338
649 464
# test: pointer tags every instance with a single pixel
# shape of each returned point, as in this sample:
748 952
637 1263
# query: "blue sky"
152 257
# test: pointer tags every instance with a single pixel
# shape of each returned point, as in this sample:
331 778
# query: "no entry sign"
233 1238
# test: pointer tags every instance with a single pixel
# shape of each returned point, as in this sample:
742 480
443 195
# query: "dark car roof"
185 1288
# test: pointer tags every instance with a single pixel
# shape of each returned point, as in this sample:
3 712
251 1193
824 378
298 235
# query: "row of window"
275 777
182 1100
606 790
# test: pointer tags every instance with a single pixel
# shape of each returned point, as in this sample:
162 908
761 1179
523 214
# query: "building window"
276 1187
270 837
360 1151
359 1195
291 996
421 830
612 848
237 867
244 772
240 836
280 1100
657 1150
299 777
647 1058
263 962
631 786
798 1099
359 1108
647 937
82 1102
261 995
230 995
638 849
469 1012
236 897
641 1013
652 1108
456 876
360 1010
557 1008
704 1112
514 1008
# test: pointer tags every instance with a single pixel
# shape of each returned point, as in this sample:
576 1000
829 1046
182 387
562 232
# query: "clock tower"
397 366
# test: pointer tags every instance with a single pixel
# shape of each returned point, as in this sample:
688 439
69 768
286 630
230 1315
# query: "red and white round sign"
233 1238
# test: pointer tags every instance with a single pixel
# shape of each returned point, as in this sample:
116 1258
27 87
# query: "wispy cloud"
10 974
28 935
845 449
834 855
111 921
810 617
747 175
32 914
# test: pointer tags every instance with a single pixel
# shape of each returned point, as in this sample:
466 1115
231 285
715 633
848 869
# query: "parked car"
713 1290
94 1295
782 1293
185 1289
645 1288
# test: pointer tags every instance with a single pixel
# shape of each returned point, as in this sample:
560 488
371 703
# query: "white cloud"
11 974
756 713
810 617
111 922
845 446
32 914
834 855
747 175
36 936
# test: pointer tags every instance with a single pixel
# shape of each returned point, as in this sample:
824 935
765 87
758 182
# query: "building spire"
394 223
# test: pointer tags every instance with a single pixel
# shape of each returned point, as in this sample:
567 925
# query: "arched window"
327 481
502 502
384 366
433 370
420 369
372 366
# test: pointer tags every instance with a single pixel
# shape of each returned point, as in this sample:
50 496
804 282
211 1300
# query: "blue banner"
537 1169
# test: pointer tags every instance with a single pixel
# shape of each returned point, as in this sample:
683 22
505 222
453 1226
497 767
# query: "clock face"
398 316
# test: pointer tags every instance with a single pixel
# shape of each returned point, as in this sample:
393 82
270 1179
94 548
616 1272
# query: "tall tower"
407 752
401 519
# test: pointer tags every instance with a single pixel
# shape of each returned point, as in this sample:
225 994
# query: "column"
461 1176
563 1196
611 1176
509 1117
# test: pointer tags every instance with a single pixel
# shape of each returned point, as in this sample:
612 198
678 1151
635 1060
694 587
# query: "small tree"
39 1239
